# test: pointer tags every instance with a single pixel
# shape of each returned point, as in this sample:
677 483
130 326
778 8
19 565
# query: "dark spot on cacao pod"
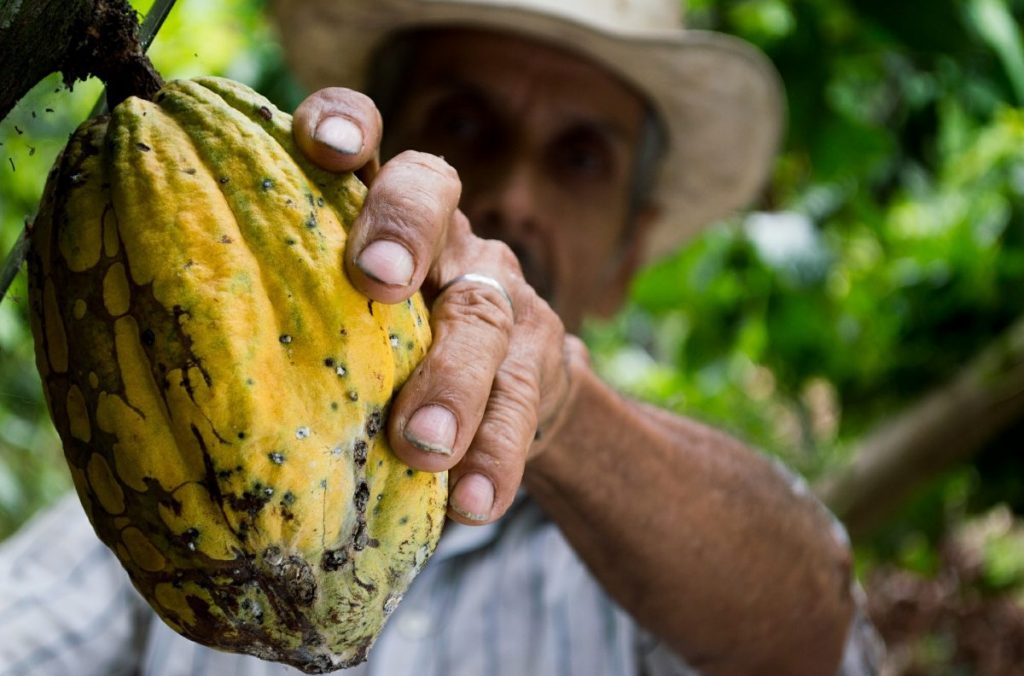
241 435
329 362
373 424
251 502
321 664
373 542
250 381
148 338
288 498
276 457
369 306
409 347
323 483
361 497
290 241
265 113
223 180
360 539
404 520
143 147
353 395
191 171
254 609
343 331
409 472
285 339
189 538
267 184
319 201
224 239
359 452
333 559
311 222
167 501
296 574
334 406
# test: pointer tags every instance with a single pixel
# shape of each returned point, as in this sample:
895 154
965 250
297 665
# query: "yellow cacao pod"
220 388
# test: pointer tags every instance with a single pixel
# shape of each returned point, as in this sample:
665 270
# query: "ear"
622 268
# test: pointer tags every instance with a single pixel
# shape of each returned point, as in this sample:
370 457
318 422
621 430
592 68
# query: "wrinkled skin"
727 562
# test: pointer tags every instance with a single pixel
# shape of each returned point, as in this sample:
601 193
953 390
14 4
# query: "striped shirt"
506 599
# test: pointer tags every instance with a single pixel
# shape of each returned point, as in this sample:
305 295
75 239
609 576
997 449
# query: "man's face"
544 143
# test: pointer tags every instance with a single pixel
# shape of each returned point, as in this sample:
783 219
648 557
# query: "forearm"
701 540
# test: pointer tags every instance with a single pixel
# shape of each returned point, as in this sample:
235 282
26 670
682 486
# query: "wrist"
575 426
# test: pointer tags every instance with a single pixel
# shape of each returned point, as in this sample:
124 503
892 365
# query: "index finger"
338 129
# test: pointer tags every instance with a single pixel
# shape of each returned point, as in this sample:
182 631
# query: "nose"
510 208
506 206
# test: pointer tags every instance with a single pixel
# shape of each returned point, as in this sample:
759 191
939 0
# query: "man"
643 543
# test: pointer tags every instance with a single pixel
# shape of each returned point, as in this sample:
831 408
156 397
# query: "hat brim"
720 99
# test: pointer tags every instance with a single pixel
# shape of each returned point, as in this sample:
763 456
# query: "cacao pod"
220 388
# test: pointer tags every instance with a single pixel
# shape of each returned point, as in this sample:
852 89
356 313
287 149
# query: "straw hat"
719 98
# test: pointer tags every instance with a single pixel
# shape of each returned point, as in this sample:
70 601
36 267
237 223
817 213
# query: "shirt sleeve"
864 650
66 605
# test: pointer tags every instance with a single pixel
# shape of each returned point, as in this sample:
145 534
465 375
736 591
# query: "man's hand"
497 368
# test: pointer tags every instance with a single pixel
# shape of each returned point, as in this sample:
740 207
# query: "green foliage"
892 250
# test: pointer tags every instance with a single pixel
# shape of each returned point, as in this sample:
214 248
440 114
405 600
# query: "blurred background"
865 322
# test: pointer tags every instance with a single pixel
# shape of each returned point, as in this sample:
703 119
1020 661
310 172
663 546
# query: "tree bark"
79 38
36 38
945 427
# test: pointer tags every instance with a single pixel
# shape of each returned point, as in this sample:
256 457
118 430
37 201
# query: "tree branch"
36 37
947 426
79 38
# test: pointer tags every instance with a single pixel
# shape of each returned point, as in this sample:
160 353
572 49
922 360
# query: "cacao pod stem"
112 51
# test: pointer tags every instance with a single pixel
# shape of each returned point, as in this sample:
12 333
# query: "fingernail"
340 135
432 429
387 262
473 497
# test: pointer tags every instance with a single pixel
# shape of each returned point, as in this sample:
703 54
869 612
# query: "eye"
582 154
458 120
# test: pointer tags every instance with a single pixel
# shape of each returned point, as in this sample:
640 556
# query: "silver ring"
477 278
